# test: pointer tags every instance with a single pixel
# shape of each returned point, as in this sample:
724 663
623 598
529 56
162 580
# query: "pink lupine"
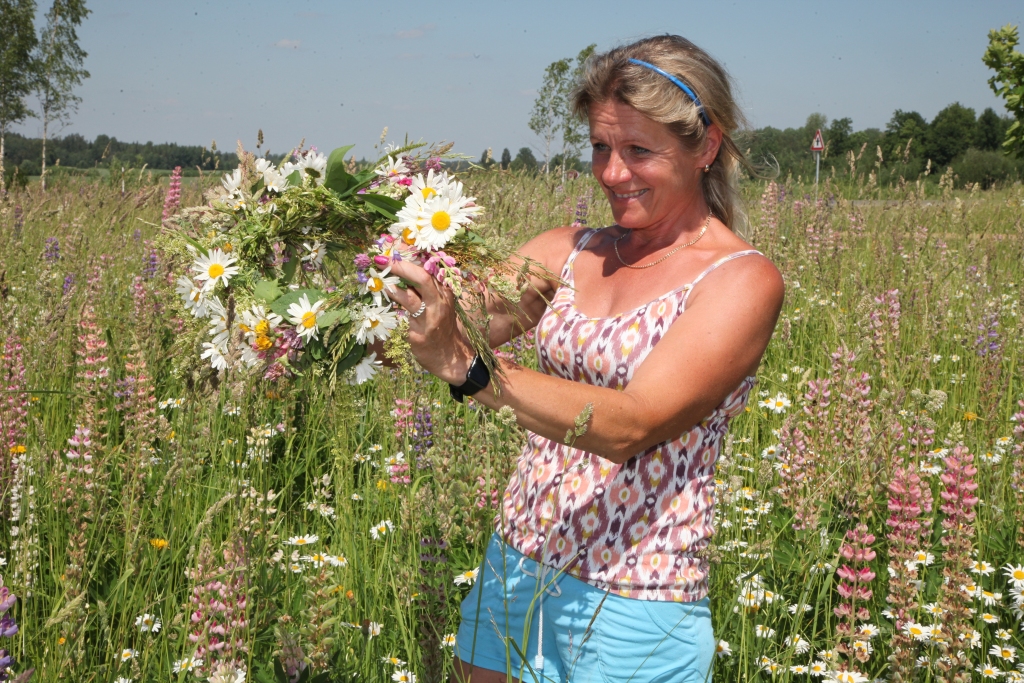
854 575
14 403
173 199
219 608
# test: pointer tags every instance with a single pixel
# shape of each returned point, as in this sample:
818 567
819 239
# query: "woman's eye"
600 147
641 150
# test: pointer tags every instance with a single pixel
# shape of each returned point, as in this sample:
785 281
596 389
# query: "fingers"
420 279
409 299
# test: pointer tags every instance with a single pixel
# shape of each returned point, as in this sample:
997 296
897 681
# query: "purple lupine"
423 435
69 282
988 339
433 164
52 250
149 268
8 628
583 208
19 218
137 235
173 198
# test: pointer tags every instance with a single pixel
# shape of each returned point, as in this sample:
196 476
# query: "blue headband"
682 86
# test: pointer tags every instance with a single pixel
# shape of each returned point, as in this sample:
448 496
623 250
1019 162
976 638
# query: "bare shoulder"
552 247
752 277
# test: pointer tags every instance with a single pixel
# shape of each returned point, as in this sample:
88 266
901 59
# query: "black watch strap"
477 378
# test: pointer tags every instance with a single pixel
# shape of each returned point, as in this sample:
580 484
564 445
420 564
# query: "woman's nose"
616 171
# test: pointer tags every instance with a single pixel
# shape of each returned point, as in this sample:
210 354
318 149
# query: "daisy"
316 559
863 647
933 609
403 676
392 660
1015 573
988 671
915 631
315 252
990 598
770 452
799 669
378 283
817 668
337 560
314 165
868 630
989 618
148 622
258 322
304 317
442 218
365 370
382 528
373 629
983 568
768 665
187 664
722 649
466 578
392 170
128 653
192 296
448 640
232 182
799 644
377 323
923 558
303 540
295 567
762 631
778 404
971 638
848 677
1005 652
356 497
991 458
215 267
1003 634
274 180
217 358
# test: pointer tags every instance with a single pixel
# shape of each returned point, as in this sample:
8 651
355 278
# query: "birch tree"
17 41
59 67
550 106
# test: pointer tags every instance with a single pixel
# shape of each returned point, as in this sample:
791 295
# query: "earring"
707 168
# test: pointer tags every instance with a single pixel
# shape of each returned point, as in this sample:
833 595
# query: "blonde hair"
612 76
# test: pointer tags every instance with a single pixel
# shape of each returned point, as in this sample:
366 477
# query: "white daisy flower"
423 189
848 677
988 671
799 669
377 323
923 558
187 664
378 283
316 559
1015 573
915 630
983 568
337 560
442 219
314 165
403 676
818 669
799 644
304 316
373 630
366 369
193 297
723 649
303 540
216 267
467 578
128 653
382 528
232 182
762 631
274 180
448 640
1004 652
392 170
989 618
392 660
213 353
148 622
315 252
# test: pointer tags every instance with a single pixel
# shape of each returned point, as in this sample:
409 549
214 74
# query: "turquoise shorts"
569 630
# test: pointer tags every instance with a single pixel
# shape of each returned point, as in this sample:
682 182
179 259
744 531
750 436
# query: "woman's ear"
712 144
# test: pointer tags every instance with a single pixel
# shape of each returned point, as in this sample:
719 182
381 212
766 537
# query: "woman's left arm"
702 358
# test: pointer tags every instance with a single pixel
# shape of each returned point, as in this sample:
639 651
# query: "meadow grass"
294 532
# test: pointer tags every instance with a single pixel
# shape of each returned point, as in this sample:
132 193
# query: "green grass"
956 263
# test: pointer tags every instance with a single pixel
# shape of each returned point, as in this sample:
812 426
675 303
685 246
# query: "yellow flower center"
244 327
216 270
440 220
428 192
195 295
308 320
263 342
374 323
408 237
262 327
375 284
1018 574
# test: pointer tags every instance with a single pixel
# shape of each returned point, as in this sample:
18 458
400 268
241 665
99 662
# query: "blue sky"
337 72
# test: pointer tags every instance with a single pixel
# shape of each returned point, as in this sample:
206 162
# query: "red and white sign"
817 145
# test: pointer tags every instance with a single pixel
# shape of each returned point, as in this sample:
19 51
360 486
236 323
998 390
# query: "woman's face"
644 170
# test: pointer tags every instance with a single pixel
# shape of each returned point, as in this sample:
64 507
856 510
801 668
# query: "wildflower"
187 664
316 559
934 609
768 665
192 297
382 528
799 669
762 631
337 560
295 567
989 618
955 358
936 358
988 671
970 416
377 284
991 458
990 598
723 649
304 315
848 677
403 676
373 629
356 496
1003 634
770 452
216 267
159 543
448 640
148 622
971 638
799 644
467 578
983 568
128 653
1015 573
392 660
314 252
1005 652
377 323
777 404
303 540
392 170
923 558
366 369
868 630
793 608
915 630
817 668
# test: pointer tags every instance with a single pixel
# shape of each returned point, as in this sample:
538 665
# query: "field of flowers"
158 526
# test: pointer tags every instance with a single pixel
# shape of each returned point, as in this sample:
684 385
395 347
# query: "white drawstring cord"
538 661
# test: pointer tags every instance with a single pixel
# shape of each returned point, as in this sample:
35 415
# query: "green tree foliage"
59 62
991 131
838 135
575 132
525 161
905 131
950 134
1008 82
551 117
17 41
506 159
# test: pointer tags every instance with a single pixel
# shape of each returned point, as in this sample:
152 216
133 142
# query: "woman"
596 570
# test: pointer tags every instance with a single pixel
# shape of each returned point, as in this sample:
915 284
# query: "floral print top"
636 529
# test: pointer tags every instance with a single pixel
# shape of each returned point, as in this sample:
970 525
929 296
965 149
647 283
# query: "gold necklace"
615 244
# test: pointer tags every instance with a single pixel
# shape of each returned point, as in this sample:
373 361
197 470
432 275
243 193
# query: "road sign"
817 145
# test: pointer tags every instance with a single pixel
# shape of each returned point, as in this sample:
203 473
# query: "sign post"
817 146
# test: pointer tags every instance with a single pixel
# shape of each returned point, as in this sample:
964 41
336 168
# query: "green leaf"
295 179
315 349
325 320
337 179
281 304
386 206
200 248
267 291
351 358
291 265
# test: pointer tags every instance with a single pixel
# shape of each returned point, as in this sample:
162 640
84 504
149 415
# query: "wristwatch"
477 378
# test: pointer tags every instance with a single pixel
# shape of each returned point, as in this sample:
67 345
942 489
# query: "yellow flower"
17 449
382 485
61 641
159 543
970 416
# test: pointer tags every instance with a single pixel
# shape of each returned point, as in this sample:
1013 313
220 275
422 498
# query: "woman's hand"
435 336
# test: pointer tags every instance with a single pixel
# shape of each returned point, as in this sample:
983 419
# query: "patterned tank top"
636 529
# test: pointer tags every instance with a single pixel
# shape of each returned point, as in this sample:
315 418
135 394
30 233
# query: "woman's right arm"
550 249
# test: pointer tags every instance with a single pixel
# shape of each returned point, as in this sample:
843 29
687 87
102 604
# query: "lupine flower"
173 198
